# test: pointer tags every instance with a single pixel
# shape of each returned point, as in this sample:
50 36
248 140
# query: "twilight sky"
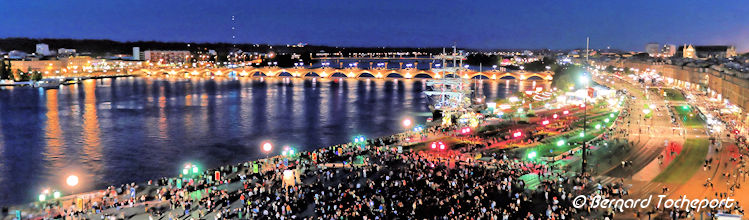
553 24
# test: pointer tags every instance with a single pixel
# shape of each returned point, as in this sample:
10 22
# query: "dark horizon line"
310 45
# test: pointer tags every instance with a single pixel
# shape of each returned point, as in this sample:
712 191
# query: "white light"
407 123
72 180
267 147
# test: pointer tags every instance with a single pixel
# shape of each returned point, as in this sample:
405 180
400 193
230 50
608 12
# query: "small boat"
72 81
48 83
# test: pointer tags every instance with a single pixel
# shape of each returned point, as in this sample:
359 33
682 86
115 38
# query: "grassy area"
688 117
687 163
550 146
670 94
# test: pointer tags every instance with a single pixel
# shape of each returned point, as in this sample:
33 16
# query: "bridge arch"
534 77
479 76
365 74
423 75
338 75
311 74
507 76
394 75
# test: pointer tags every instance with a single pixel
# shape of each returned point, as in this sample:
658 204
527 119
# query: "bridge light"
560 143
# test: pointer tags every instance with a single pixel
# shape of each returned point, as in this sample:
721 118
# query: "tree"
567 76
24 76
540 65
36 76
5 69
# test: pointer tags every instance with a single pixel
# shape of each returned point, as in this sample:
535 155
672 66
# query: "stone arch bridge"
343 73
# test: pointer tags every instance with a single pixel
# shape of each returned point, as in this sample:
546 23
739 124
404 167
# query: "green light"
291 151
560 143
598 126
185 171
685 107
606 120
532 155
582 134
611 115
194 169
42 197
56 194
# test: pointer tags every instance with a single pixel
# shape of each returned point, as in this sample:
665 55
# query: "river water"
115 131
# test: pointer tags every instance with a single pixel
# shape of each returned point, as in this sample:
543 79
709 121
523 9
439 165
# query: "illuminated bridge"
342 73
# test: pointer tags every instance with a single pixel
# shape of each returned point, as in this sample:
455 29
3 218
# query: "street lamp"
407 123
267 147
560 143
72 180
532 155
584 81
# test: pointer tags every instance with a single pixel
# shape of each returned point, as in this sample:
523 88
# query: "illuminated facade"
166 56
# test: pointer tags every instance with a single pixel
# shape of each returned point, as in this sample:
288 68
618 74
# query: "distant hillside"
108 47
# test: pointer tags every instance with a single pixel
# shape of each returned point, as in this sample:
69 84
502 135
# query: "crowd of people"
372 180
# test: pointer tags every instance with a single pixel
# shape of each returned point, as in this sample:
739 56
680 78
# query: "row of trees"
6 73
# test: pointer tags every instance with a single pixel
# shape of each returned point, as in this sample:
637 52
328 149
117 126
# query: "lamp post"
584 80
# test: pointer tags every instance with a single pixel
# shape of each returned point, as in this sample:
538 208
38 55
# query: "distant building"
660 50
62 52
42 50
668 50
136 53
705 52
17 54
653 49
166 56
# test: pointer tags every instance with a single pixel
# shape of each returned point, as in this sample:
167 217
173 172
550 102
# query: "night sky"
474 24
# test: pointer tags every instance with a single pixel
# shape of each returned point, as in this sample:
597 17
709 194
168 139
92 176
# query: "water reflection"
114 131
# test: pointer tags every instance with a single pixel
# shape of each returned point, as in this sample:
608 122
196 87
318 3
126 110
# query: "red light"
434 145
442 145
555 116
517 134
566 112
545 122
582 105
465 130
736 131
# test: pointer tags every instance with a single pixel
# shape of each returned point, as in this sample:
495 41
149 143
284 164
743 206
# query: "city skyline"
478 25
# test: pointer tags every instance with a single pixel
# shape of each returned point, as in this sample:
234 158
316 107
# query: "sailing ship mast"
449 92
